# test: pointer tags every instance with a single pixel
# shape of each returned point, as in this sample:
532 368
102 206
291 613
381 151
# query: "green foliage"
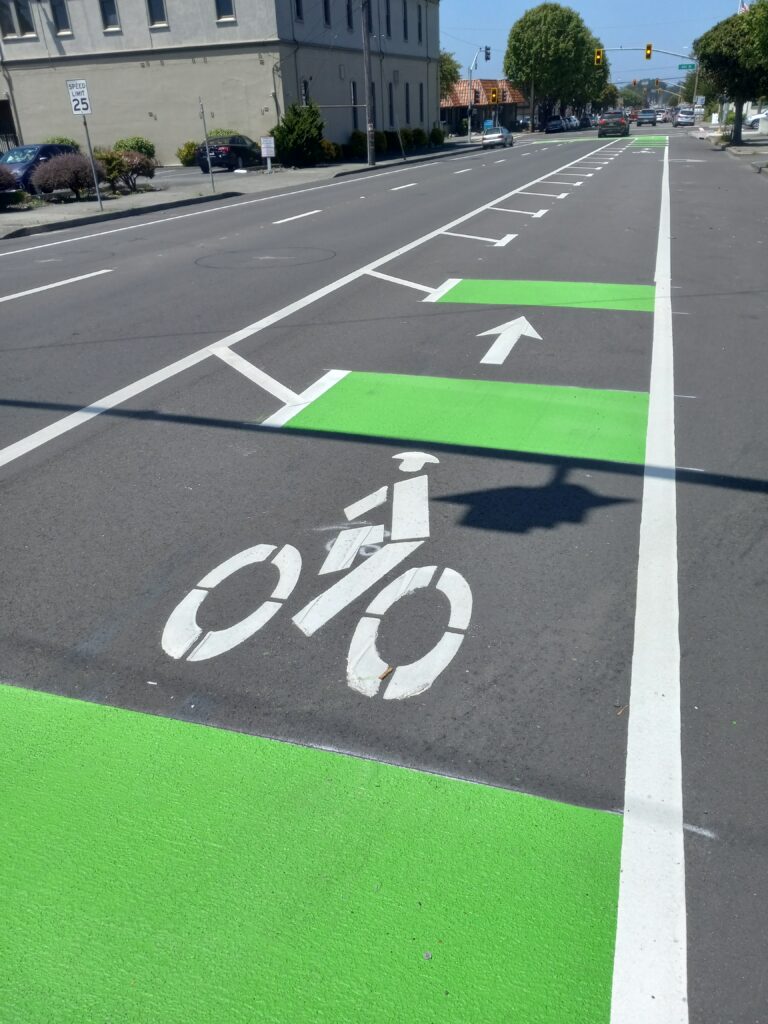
609 97
135 165
7 180
379 142
406 136
112 163
135 144
299 134
704 87
62 140
630 97
358 145
331 151
187 153
219 133
450 73
436 137
729 55
551 47
393 141
70 170
419 138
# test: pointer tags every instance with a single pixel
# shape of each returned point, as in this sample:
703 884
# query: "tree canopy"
450 73
551 49
730 56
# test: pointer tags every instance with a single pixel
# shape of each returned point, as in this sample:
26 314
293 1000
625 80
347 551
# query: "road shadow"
522 509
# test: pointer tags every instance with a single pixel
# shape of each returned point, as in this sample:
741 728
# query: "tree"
551 51
631 97
704 87
758 16
609 97
729 54
450 73
299 135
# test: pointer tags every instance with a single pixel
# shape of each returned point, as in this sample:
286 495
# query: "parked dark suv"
22 161
229 151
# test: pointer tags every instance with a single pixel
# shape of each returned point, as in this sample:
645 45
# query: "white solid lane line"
466 170
56 284
40 437
399 188
650 960
297 216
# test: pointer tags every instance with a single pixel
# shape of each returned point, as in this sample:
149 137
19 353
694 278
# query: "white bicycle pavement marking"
40 437
55 284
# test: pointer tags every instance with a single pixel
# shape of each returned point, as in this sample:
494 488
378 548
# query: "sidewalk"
753 149
167 194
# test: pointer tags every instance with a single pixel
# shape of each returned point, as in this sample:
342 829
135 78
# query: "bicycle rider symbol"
184 638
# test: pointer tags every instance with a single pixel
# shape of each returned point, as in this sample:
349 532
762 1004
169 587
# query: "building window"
391 104
418 23
304 92
353 96
388 17
109 18
421 103
225 10
405 19
350 20
156 12
298 9
327 11
407 103
60 16
16 18
369 9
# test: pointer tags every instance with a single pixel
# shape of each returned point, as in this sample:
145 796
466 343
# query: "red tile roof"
460 93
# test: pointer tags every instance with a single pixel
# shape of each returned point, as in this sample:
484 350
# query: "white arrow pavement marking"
508 336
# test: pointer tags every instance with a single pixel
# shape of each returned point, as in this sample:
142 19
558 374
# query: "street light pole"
472 67
369 112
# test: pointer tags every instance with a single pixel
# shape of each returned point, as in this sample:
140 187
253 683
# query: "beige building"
146 63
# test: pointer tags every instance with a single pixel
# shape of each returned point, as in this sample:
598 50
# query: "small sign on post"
267 144
81 105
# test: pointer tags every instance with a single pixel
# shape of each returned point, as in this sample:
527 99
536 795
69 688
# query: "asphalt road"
207 515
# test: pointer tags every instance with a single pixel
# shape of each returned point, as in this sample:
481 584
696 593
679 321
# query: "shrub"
436 136
217 133
186 153
136 144
113 164
7 180
330 150
393 143
70 170
299 134
358 145
407 138
419 137
379 142
135 165
62 140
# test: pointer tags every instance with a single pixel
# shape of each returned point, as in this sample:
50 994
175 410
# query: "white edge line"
465 170
399 188
56 284
650 966
54 430
291 409
297 216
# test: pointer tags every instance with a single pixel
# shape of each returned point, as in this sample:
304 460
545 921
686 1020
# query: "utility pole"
371 148
532 128
472 67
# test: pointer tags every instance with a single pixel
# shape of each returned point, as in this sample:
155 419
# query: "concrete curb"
97 218
426 158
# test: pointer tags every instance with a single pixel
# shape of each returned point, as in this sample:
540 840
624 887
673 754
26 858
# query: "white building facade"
146 63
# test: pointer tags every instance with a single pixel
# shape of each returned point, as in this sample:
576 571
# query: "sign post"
207 147
81 105
267 144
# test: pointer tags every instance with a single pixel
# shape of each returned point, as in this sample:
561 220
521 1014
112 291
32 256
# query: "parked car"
22 161
573 123
555 124
684 117
613 122
497 136
646 116
229 151
755 119
585 121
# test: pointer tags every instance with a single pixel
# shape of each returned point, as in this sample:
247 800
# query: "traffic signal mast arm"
643 49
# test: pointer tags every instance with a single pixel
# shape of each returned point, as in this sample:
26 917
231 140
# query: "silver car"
684 117
497 136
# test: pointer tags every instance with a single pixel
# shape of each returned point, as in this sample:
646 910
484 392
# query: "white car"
684 118
754 119
497 136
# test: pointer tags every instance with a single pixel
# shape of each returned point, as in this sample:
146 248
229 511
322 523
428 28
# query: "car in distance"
684 117
755 119
613 122
585 121
646 116
555 124
231 152
23 161
497 136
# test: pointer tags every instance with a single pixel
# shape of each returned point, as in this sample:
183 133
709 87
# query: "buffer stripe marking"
650 969
56 284
297 216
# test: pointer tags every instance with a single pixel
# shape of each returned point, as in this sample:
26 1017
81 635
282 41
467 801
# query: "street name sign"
78 96
685 67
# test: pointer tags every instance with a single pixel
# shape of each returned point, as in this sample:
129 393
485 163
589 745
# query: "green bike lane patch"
155 870
569 422
633 298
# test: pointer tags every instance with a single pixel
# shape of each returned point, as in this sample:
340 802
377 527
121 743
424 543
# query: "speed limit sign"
78 96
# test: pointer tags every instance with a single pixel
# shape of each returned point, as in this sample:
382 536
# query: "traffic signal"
598 57
487 53
494 95
657 83
634 83
648 51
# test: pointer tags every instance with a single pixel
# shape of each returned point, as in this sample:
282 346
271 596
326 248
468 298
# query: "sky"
668 24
